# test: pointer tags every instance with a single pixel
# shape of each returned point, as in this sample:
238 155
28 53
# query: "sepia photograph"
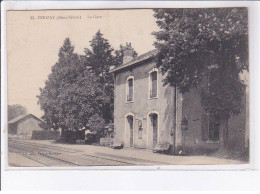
128 87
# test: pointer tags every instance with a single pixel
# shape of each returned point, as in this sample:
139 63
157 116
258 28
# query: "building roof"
22 117
135 60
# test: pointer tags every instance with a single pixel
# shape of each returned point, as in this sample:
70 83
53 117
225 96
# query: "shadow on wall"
169 112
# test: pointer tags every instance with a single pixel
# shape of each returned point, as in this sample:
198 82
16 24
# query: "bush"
91 138
45 135
94 137
72 136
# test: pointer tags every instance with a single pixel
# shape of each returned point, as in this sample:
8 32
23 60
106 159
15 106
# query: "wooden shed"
23 125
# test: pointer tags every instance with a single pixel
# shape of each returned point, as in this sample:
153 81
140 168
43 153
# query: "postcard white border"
136 172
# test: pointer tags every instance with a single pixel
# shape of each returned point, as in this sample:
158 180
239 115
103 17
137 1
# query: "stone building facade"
145 115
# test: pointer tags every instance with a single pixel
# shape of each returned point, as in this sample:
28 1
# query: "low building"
145 115
23 125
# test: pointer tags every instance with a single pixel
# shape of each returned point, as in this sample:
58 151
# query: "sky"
34 39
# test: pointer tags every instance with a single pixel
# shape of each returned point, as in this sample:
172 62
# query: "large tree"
99 60
194 43
15 111
70 96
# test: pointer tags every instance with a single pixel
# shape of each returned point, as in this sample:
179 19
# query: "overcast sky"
33 43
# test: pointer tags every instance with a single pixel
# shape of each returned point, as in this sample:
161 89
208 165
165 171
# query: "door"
131 128
154 122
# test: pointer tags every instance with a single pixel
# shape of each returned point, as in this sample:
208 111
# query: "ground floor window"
214 125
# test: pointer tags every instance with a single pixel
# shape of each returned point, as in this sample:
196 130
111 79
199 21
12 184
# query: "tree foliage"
79 91
71 94
99 60
15 111
191 41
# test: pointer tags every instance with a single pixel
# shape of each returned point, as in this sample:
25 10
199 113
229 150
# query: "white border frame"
226 176
10 5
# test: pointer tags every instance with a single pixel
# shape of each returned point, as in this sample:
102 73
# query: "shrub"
72 136
45 135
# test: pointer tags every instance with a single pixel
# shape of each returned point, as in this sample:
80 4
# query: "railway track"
39 156
49 147
56 156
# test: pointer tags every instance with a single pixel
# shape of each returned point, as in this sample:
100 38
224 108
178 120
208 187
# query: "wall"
141 106
25 127
188 104
192 108
12 129
237 130
195 143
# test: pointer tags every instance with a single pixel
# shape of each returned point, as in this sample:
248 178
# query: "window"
153 83
214 124
130 89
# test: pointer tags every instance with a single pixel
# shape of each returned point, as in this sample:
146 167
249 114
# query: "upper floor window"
130 89
153 83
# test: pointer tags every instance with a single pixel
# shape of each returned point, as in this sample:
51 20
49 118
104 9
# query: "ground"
34 153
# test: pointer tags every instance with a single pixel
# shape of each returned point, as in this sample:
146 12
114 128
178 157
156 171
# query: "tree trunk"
62 132
223 133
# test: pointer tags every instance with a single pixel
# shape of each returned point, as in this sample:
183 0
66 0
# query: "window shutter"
204 126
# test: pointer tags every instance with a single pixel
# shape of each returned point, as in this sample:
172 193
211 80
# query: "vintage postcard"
128 87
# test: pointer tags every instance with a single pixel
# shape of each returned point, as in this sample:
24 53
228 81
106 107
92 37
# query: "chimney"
128 53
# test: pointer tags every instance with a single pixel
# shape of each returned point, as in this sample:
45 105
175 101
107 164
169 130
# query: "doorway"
130 127
154 128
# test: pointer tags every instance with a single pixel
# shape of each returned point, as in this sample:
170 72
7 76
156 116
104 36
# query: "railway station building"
145 115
